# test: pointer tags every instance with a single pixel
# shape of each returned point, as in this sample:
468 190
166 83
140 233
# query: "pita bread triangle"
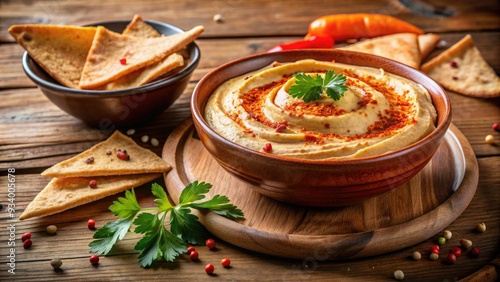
103 61
60 50
105 160
427 42
462 69
401 47
62 194
139 28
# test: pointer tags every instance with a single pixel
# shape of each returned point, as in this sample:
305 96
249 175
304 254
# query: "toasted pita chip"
62 194
462 69
426 43
147 74
105 161
103 61
401 47
60 50
139 28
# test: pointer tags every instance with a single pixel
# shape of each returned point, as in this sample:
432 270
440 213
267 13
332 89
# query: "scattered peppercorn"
93 183
456 251
489 139
27 243
131 131
474 251
144 138
155 142
225 262
434 256
94 259
435 249
26 236
451 258
217 18
441 241
123 61
56 263
453 64
90 160
466 244
51 229
190 249
481 227
193 255
91 224
447 234
416 255
267 148
399 275
496 127
108 153
209 268
210 243
122 155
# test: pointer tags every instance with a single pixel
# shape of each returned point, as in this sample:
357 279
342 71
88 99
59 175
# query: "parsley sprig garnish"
157 242
309 88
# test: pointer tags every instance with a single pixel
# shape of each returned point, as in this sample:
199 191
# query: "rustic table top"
35 134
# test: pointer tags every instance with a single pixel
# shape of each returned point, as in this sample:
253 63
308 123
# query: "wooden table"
35 134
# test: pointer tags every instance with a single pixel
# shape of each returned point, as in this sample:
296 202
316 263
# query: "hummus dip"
380 112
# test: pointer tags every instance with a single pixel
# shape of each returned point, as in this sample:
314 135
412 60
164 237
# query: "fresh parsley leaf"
310 88
186 225
220 205
194 192
126 207
161 198
158 243
109 234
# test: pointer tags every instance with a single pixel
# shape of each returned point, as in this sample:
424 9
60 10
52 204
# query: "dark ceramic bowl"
117 108
319 183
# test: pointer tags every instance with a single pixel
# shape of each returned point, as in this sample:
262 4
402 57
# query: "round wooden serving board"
404 216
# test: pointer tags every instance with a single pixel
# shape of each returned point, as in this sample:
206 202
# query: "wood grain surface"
35 134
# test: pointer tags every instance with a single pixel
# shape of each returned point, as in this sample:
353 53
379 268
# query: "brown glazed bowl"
319 183
108 109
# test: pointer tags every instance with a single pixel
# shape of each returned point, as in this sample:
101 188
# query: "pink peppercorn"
93 183
27 243
122 155
451 258
91 224
209 268
267 148
456 251
453 64
94 259
26 236
474 251
123 61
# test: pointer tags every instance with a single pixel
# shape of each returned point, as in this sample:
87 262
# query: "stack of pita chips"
96 58
70 186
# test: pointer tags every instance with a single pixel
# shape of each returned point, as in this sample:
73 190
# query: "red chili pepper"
309 43
353 26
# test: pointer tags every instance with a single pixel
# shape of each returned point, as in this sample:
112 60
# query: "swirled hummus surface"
380 112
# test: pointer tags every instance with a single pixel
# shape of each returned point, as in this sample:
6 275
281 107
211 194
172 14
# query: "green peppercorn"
441 241
434 256
56 263
51 229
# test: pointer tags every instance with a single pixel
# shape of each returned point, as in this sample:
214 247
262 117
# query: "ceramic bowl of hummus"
328 152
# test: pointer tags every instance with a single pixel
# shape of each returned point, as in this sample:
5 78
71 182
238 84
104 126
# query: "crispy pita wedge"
103 61
60 50
146 74
462 69
401 47
139 28
105 161
427 42
62 194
